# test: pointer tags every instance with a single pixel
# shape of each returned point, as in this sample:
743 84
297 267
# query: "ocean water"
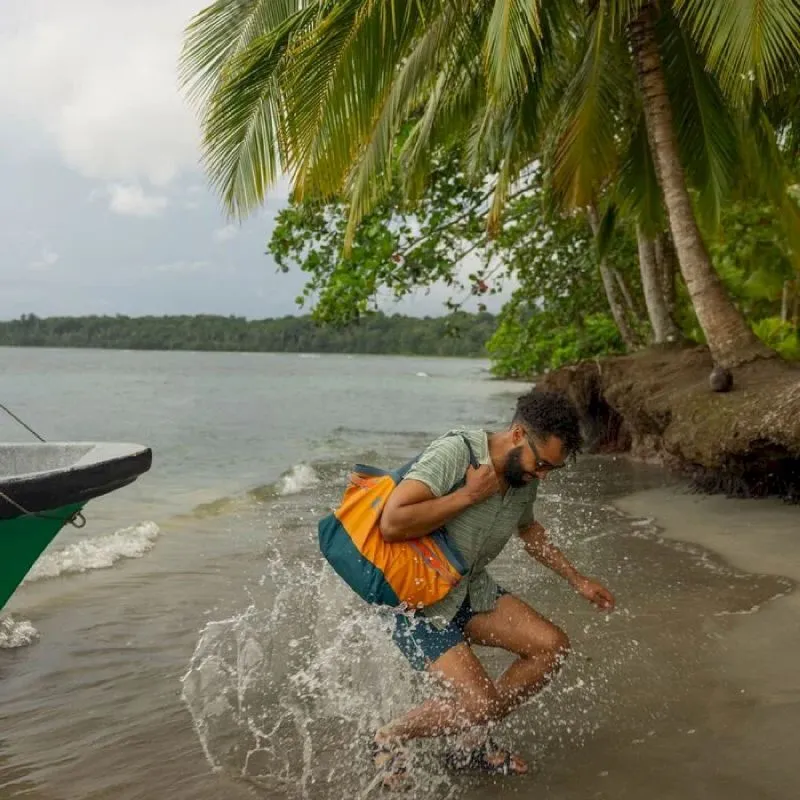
191 641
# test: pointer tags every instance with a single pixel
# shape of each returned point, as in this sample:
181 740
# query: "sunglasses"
541 464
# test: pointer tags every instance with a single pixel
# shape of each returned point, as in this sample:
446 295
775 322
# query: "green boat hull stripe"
23 539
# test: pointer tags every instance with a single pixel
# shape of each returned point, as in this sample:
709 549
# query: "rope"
24 424
77 519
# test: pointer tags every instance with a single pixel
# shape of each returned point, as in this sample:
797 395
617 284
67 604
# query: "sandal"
485 759
391 760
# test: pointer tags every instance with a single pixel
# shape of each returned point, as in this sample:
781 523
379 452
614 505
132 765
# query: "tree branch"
450 223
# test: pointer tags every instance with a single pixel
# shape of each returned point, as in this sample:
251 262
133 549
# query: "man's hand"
481 483
595 593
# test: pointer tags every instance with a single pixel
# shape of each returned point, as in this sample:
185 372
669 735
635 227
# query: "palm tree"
321 89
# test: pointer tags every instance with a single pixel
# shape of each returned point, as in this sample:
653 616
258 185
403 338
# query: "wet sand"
747 741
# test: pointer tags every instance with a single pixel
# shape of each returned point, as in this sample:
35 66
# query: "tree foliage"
459 335
398 247
557 312
366 104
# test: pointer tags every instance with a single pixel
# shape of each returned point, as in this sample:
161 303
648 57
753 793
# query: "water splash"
16 633
290 691
299 479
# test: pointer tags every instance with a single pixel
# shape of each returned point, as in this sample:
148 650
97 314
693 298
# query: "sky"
104 207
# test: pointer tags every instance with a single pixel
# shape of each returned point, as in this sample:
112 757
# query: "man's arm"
413 511
538 545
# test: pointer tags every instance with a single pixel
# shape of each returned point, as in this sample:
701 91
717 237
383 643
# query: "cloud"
46 260
226 234
133 202
181 267
98 81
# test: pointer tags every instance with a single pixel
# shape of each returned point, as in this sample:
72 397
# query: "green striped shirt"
480 532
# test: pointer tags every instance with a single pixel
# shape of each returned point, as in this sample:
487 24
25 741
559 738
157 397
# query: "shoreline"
733 535
753 715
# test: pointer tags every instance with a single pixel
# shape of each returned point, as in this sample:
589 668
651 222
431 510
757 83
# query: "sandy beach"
747 744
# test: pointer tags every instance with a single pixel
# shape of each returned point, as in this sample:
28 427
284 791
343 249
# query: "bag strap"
400 473
473 459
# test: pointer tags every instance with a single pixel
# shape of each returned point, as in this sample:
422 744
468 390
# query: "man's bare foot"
390 758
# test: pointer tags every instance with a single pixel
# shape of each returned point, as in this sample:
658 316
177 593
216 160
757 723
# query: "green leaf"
584 143
637 189
606 231
747 43
510 47
222 31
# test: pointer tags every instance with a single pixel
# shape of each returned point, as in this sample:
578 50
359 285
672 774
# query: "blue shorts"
421 642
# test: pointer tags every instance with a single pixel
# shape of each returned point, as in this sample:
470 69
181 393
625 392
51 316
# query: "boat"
45 486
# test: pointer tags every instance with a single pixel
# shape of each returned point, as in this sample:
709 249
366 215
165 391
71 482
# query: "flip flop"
484 759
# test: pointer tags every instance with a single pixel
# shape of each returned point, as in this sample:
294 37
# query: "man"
495 502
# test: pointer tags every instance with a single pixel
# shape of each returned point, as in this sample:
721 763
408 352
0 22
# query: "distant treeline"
459 334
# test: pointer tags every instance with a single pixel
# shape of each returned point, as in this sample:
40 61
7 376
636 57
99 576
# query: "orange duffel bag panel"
413 573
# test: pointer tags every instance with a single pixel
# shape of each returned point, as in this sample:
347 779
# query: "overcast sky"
103 206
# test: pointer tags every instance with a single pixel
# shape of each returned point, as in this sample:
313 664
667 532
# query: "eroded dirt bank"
657 405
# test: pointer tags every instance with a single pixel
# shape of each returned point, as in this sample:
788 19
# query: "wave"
298 479
16 633
97 553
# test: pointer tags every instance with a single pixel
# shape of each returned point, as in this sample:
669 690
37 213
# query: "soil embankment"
657 405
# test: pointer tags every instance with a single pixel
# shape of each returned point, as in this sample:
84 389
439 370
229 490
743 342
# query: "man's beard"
515 476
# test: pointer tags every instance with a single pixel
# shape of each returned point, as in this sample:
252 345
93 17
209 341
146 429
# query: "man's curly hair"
547 414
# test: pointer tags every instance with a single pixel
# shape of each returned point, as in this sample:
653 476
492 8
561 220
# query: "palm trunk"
667 266
785 301
729 338
664 329
617 309
607 276
626 293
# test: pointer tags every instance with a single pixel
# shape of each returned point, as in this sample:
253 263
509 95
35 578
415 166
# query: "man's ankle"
384 736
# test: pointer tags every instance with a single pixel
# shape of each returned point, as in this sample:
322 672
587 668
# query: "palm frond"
524 117
222 31
604 234
638 192
583 147
746 43
769 173
510 47
338 82
783 112
455 100
617 13
244 139
372 174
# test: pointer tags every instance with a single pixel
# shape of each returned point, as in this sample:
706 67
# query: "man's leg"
541 646
472 699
